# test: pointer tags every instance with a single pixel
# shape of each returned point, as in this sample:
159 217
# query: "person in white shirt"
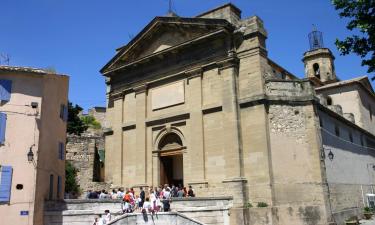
147 206
107 217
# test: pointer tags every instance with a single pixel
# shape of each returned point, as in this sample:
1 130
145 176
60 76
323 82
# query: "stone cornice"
195 72
230 62
140 89
116 95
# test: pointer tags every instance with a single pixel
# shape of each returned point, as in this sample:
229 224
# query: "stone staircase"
162 218
209 211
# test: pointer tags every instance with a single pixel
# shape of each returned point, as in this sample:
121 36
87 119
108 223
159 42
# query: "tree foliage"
362 18
71 185
90 121
75 124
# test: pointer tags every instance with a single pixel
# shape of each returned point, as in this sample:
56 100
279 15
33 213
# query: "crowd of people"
157 199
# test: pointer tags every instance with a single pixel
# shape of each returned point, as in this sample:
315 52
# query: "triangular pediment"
160 35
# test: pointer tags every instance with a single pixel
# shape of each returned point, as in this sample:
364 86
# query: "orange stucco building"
33 115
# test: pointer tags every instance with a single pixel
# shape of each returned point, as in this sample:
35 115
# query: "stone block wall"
82 152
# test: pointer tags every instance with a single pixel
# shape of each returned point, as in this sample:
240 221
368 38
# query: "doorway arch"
169 146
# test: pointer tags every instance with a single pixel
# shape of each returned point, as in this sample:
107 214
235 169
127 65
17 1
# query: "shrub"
262 204
248 205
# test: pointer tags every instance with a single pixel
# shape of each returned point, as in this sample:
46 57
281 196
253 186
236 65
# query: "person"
107 218
93 195
180 193
166 199
88 194
142 196
98 220
191 192
102 195
138 201
146 206
120 194
127 207
152 198
113 194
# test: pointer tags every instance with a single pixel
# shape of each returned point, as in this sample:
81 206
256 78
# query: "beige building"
33 114
196 101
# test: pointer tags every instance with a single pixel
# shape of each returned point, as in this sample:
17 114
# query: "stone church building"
196 101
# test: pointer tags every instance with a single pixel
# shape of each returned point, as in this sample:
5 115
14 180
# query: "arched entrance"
171 159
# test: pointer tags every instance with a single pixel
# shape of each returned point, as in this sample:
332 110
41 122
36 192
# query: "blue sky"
78 37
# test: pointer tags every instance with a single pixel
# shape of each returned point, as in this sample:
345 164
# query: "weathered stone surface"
82 152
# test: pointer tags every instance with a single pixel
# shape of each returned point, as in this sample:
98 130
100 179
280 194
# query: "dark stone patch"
310 214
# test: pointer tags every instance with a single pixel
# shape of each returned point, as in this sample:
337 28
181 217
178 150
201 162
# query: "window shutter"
65 117
58 187
61 111
59 157
6 183
61 151
5 90
3 122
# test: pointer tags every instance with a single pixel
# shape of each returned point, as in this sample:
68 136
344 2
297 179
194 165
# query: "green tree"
75 124
71 185
90 121
362 18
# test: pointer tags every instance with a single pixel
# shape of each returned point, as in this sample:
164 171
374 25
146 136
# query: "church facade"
196 101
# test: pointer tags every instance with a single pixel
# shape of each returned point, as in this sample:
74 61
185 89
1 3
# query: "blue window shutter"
3 122
5 90
6 183
61 150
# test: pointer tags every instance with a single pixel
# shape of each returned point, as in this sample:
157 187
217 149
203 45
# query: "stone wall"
82 152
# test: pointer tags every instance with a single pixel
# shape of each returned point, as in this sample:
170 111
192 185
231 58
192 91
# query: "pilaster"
141 153
117 163
196 154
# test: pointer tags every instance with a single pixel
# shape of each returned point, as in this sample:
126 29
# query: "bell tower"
319 61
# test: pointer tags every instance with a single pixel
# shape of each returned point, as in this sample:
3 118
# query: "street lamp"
30 155
330 155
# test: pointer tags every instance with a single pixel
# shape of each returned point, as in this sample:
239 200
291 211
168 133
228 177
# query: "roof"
26 69
166 20
220 7
22 69
363 81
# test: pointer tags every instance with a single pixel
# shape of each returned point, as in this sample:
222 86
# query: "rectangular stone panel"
168 95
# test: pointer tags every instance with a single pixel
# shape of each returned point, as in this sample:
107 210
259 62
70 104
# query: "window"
50 195
362 144
3 122
58 187
370 111
316 70
5 183
61 152
5 90
64 112
350 136
321 122
329 100
337 131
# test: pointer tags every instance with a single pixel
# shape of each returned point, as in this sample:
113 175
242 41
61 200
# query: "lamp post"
330 155
30 155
